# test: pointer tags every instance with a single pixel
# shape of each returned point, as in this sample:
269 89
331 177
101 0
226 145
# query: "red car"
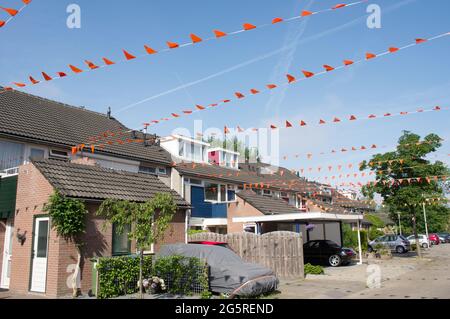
434 239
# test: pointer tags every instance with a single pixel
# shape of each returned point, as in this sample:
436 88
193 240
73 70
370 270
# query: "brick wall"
240 209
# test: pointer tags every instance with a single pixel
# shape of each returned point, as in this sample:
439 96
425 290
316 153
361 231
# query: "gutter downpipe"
188 213
359 243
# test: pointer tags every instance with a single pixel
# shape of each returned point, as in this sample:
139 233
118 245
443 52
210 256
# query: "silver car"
396 243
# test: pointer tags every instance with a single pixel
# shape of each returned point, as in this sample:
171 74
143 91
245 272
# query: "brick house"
34 131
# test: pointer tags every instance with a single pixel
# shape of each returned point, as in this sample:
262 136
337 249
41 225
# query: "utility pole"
399 224
425 218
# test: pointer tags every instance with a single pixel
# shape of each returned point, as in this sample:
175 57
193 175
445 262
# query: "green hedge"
119 276
313 270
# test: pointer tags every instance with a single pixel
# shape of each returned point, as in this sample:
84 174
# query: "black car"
327 252
444 237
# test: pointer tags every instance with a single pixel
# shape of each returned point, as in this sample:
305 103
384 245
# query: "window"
162 171
267 193
223 193
211 192
59 154
147 170
11 155
195 181
37 154
42 239
121 245
231 195
180 148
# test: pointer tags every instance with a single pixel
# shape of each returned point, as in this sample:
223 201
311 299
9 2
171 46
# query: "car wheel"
400 250
334 261
424 245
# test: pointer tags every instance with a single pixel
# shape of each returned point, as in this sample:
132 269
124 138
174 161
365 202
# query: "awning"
318 216
8 190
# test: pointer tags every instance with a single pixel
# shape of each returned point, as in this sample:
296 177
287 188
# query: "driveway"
400 277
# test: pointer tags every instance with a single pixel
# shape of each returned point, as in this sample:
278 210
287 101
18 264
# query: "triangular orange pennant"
172 45
322 122
239 95
2 23
11 12
175 115
62 74
273 127
328 68
374 146
271 86
108 62
33 80
437 108
308 74
91 65
150 50
393 49
348 62
254 91
303 123
288 124
248 26
187 112
387 114
370 56
306 13
75 69
226 130
195 38
372 116
341 5
26 1
352 118
290 78
128 55
418 41
46 76
336 120
199 107
21 85
277 20
219 33
226 101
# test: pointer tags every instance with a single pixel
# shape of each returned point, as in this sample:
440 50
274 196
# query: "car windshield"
402 237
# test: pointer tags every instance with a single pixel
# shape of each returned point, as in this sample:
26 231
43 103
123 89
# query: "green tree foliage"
408 161
68 219
149 220
350 239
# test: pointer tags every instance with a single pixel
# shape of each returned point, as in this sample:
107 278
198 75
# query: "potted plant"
154 285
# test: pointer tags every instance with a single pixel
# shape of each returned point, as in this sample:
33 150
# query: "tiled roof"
267 205
30 117
332 208
94 182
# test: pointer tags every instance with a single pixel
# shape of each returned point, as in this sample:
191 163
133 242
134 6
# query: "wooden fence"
280 251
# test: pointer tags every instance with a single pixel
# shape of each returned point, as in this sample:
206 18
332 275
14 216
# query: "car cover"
229 274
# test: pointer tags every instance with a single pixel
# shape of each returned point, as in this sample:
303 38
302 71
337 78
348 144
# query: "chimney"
108 114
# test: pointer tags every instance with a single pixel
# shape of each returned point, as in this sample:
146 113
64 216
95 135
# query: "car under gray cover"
229 274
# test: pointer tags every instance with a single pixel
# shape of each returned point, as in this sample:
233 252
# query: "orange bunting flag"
387 114
328 68
46 76
187 112
92 149
348 62
288 124
226 101
374 146
370 56
239 95
254 91
277 20
26 1
149 50
393 49
11 12
226 130
2 23
273 127
248 26
175 115
271 86
336 120
108 62
128 56
199 107
437 108
338 6
372 116
33 80
308 74
21 85
172 45
62 74
303 123
74 150
306 13
219 33
75 69
418 41
195 39
352 118
91 65
322 122
290 78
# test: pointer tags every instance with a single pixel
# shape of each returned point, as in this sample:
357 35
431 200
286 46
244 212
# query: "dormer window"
223 157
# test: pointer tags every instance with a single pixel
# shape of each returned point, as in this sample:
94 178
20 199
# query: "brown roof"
29 117
267 205
95 182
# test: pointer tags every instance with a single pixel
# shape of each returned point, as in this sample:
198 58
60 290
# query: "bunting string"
12 12
194 40
291 79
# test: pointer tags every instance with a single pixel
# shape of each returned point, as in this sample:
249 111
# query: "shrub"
351 238
313 270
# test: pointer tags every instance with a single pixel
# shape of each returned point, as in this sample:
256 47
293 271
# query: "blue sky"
38 40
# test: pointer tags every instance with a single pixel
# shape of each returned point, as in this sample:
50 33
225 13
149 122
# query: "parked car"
434 239
423 240
396 243
210 243
327 252
444 238
228 273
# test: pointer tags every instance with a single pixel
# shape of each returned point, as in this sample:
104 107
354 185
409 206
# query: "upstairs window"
147 170
37 154
11 155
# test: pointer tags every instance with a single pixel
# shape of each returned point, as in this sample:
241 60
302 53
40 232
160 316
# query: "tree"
403 177
149 221
68 219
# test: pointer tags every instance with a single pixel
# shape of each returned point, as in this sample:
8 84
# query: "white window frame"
219 193
28 149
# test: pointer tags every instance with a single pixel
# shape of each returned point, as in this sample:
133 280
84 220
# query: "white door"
7 253
40 252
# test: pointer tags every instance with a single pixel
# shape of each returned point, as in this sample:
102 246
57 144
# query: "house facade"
37 137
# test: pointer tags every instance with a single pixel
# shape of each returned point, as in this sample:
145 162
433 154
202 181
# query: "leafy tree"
68 219
402 177
234 144
149 220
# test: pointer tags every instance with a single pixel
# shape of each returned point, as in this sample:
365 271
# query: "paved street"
401 277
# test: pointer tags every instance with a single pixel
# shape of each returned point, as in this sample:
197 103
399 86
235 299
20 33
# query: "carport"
318 225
